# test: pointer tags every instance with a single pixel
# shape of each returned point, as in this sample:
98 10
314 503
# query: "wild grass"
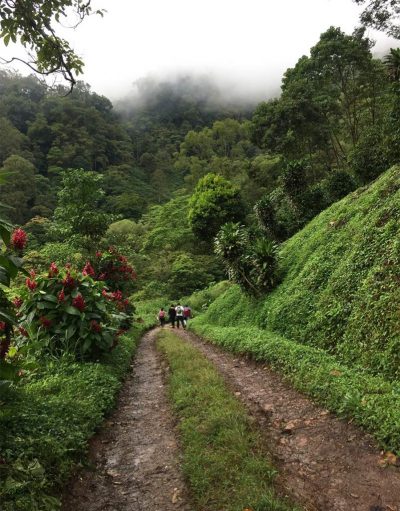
224 459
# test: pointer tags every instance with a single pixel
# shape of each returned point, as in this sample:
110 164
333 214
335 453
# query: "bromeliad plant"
68 311
250 259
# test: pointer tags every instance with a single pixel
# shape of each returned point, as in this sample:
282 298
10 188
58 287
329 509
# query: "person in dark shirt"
172 315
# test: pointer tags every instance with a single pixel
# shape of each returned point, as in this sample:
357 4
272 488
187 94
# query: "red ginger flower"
105 294
99 254
2 326
53 270
79 303
31 284
17 302
68 282
45 322
18 239
23 331
61 296
117 295
96 327
88 269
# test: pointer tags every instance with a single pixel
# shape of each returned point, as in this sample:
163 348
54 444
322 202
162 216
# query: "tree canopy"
33 23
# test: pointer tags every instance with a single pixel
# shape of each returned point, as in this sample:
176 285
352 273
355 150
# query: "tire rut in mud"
135 457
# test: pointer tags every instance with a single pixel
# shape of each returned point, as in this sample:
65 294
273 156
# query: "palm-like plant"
392 62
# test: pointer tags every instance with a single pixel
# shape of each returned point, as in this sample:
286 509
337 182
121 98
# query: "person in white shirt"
179 316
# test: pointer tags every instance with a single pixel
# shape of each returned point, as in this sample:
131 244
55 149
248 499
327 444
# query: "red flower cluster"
68 282
79 303
96 327
18 239
61 295
53 271
2 326
88 270
31 284
17 302
45 322
23 331
116 296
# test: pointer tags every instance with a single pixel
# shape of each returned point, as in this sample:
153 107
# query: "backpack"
161 314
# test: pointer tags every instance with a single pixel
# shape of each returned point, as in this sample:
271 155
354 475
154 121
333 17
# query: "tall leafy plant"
11 246
68 311
250 260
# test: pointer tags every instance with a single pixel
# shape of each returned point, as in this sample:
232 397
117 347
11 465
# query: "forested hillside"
332 129
339 283
278 224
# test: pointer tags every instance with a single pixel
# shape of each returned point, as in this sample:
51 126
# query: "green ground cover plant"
224 460
332 325
46 426
371 401
339 288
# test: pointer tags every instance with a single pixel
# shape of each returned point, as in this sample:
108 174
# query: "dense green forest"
107 212
333 128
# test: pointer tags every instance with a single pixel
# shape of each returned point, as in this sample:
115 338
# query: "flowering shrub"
67 310
10 265
112 268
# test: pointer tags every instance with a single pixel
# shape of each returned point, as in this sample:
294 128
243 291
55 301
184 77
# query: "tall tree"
34 23
381 14
77 215
215 202
19 189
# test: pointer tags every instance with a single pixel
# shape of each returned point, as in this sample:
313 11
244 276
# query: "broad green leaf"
71 310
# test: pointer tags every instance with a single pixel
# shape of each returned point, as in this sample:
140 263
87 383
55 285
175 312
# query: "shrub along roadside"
370 401
224 459
46 427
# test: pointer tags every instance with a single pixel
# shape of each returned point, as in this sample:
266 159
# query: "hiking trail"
135 456
324 463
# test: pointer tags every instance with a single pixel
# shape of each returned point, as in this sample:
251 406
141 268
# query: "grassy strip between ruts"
46 426
370 401
224 458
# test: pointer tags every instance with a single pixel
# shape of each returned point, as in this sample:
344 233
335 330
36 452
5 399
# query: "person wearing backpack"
179 315
172 315
161 317
187 314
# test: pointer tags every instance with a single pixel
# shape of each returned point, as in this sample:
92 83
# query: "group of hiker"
176 315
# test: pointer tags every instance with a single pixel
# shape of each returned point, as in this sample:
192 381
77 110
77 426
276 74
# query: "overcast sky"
248 43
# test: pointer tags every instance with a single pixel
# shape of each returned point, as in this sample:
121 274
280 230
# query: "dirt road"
135 457
324 462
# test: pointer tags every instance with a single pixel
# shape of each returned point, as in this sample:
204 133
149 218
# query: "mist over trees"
333 127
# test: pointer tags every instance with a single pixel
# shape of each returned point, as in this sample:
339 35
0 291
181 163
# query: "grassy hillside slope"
340 283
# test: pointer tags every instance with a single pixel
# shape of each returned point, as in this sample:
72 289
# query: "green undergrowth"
147 310
340 283
46 426
332 325
368 400
224 458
